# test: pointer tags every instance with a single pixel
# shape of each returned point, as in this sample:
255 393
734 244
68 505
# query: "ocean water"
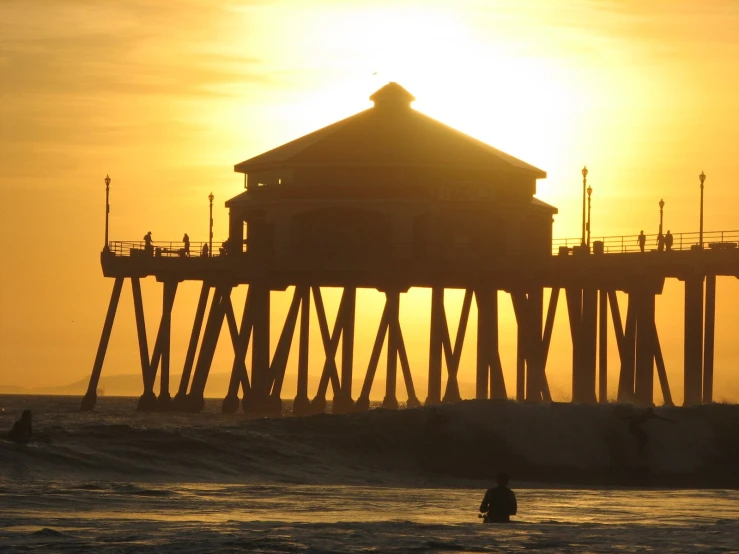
119 481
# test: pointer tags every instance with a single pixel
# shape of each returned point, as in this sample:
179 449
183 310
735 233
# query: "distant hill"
122 384
7 389
131 384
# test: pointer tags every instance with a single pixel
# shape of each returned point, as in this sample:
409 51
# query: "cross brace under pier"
261 380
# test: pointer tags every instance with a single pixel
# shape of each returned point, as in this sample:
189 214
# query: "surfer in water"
636 423
499 503
21 431
435 421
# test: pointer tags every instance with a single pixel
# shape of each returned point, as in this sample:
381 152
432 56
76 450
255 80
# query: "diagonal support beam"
161 345
210 340
626 382
489 369
282 352
90 398
363 400
413 401
625 342
330 345
454 355
617 326
180 398
661 373
344 402
170 290
138 306
240 337
546 342
389 327
533 343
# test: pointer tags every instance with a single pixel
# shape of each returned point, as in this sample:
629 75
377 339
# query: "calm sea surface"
44 516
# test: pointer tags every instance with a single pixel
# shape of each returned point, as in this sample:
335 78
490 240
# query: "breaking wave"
548 443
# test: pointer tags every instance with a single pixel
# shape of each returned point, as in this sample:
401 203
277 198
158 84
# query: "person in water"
499 503
435 421
21 431
635 426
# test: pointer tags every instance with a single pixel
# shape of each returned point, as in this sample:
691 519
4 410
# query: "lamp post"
210 239
584 183
590 191
702 178
106 248
661 208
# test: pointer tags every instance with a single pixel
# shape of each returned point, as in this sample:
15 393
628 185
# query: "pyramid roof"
391 133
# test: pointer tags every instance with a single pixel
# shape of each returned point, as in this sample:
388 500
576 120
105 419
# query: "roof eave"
543 205
247 166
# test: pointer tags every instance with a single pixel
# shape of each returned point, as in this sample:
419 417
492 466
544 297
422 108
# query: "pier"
390 199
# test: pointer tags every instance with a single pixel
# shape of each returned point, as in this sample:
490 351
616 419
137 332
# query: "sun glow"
525 104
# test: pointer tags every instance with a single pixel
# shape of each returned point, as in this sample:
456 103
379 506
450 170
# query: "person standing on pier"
660 242
148 248
668 240
642 240
186 240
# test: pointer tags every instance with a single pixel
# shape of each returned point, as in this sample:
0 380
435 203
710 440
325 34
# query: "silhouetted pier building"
390 199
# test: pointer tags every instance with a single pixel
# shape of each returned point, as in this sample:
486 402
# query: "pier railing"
713 240
162 249
630 243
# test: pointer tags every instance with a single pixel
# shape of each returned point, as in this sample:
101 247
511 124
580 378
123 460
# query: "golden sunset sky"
167 96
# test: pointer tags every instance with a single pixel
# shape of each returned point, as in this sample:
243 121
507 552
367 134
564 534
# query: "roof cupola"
393 96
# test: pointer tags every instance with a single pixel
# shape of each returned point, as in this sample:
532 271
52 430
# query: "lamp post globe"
702 178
